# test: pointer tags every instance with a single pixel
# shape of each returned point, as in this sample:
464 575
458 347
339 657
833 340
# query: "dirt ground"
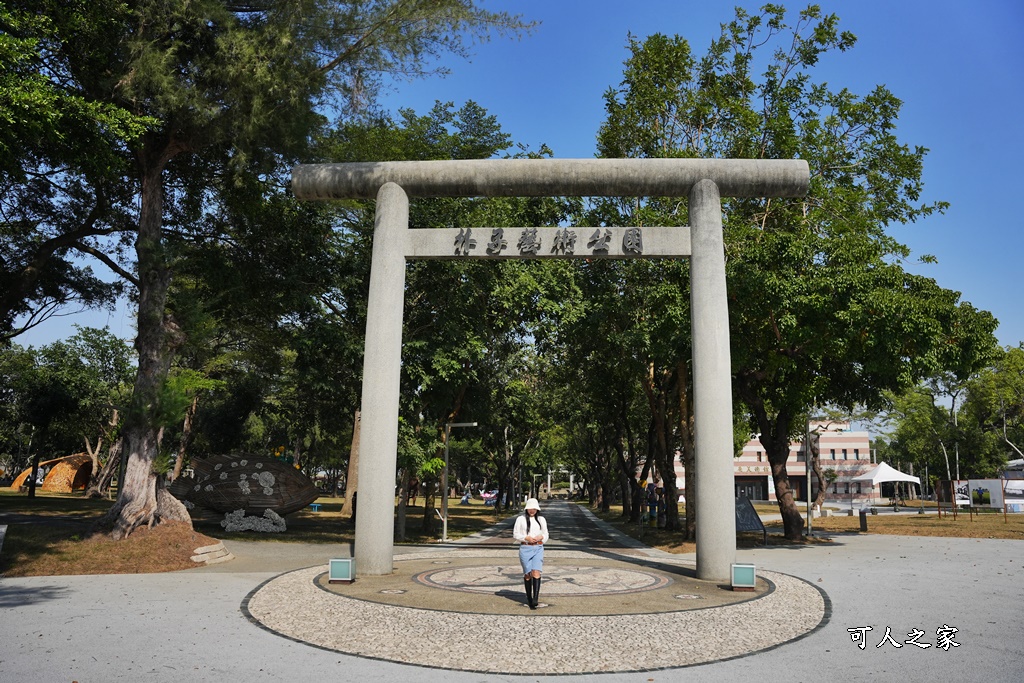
52 534
41 550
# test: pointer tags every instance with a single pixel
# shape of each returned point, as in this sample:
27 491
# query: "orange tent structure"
70 473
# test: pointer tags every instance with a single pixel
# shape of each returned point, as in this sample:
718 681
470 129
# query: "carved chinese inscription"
599 242
464 241
498 241
564 241
633 242
529 242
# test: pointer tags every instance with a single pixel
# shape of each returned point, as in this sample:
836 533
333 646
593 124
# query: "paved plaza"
614 608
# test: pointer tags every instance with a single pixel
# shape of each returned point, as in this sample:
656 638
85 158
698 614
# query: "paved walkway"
199 624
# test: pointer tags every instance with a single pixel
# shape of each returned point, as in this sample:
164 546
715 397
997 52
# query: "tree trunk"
686 439
352 478
186 437
99 483
94 456
403 499
775 430
138 502
99 480
607 487
429 525
775 439
690 467
792 522
815 458
657 399
945 455
32 477
627 482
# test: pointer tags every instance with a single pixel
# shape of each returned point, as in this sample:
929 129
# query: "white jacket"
519 532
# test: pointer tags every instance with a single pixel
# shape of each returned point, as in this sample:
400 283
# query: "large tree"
995 404
224 90
821 310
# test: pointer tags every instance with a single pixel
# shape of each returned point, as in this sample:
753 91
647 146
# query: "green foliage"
994 407
466 345
62 160
821 310
963 428
64 392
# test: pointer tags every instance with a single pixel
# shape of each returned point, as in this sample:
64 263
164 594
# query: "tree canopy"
209 96
821 310
155 138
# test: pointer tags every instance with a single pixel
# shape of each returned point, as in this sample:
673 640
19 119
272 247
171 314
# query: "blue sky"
957 66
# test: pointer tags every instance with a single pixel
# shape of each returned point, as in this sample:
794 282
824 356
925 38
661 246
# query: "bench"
315 506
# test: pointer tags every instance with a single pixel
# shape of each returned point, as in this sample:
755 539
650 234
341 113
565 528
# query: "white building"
846 452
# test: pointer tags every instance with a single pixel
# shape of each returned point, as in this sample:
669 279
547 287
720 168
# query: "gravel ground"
295 606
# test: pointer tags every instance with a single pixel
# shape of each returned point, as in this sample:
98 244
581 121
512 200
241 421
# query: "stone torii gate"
704 181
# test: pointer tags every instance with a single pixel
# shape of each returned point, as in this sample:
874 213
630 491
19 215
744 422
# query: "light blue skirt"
531 557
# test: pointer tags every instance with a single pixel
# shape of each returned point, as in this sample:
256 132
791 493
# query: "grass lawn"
51 534
981 525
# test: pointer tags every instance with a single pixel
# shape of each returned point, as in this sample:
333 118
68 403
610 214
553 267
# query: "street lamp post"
807 467
444 477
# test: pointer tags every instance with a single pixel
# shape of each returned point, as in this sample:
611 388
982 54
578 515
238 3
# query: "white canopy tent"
882 473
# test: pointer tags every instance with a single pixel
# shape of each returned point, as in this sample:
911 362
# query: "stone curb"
209 548
212 554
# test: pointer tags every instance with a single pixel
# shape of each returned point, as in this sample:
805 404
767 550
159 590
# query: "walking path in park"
848 610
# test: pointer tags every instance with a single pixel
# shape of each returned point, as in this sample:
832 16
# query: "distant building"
846 452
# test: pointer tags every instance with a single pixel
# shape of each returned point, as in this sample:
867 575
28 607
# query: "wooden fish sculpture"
225 483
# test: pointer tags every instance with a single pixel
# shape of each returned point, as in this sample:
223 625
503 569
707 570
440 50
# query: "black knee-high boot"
528 582
536 592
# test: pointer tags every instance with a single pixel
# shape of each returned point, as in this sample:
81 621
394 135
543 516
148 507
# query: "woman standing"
531 531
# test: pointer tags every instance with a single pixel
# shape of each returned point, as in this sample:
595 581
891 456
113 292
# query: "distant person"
531 530
652 504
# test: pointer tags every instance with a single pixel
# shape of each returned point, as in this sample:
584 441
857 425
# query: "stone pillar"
712 386
382 366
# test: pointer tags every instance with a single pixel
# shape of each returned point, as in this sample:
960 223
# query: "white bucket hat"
532 504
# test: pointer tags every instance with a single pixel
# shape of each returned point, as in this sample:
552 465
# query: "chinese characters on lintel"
498 241
945 637
463 242
564 242
529 242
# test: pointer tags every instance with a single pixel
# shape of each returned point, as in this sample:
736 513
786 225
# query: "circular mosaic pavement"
559 580
574 583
